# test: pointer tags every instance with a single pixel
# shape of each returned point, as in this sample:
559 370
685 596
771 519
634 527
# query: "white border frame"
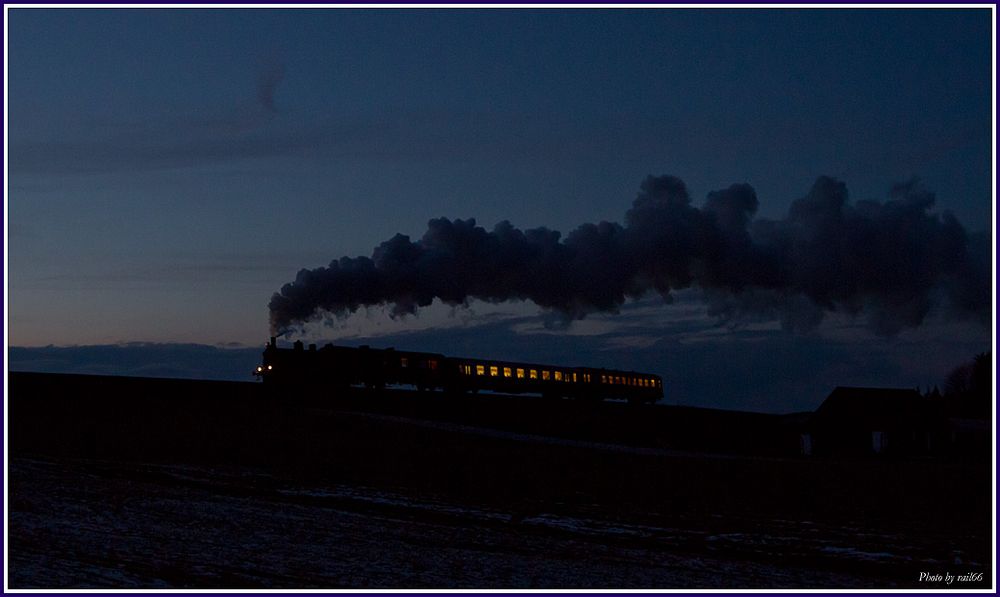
993 226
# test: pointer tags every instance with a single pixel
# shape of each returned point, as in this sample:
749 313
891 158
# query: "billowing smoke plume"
891 262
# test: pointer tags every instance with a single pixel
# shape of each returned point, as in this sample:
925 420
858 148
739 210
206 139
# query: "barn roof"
874 409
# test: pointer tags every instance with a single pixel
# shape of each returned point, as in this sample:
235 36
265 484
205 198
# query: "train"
342 366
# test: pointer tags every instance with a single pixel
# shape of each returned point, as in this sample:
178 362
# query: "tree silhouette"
968 388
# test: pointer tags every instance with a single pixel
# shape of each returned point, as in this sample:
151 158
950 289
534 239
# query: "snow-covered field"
135 483
91 523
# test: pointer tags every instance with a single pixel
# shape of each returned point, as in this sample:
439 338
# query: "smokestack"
891 262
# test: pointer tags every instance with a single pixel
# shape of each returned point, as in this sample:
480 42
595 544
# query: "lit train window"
533 374
545 374
467 369
480 370
404 362
558 375
574 377
494 371
604 379
432 364
506 372
520 373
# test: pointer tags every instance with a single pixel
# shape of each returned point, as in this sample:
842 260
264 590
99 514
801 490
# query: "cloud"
226 133
214 269
756 367
186 361
268 79
252 131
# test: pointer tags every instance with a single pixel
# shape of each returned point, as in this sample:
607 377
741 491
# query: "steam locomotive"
377 368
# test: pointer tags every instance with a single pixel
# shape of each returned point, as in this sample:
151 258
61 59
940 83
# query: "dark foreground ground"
127 483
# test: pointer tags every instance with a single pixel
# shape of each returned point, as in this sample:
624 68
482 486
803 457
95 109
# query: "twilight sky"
169 170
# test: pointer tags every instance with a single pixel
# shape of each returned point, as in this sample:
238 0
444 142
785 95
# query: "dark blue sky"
170 169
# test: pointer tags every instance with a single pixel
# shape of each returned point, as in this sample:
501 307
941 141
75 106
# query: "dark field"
126 483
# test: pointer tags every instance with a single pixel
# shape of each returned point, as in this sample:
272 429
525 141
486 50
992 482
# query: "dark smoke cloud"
890 262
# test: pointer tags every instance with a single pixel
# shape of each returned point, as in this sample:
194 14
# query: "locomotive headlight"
259 369
269 367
